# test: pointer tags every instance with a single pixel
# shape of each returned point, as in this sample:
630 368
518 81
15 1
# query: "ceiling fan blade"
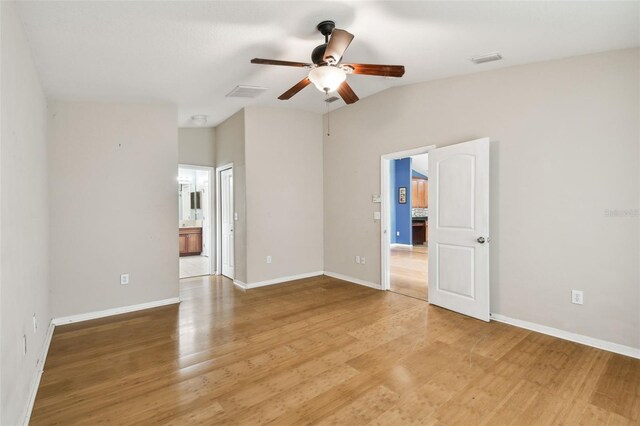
347 93
282 63
338 43
295 89
381 70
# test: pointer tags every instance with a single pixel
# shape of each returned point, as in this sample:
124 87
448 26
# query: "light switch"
376 216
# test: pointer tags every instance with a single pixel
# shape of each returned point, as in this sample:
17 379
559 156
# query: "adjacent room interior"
195 220
337 212
409 236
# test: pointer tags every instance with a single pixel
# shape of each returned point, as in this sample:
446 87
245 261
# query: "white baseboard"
284 279
353 280
573 337
115 311
396 245
35 384
240 284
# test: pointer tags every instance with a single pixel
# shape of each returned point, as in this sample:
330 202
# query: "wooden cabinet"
190 241
419 193
420 231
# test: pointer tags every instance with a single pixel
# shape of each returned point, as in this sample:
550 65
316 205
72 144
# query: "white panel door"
459 228
226 218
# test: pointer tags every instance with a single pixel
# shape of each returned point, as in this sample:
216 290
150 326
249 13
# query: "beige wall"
196 146
24 252
565 149
229 136
113 170
284 193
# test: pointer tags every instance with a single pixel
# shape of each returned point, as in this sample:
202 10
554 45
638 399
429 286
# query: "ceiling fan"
328 73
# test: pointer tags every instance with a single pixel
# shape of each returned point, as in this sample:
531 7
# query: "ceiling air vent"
489 57
331 99
246 92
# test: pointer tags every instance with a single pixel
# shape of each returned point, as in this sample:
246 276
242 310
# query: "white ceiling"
193 53
420 163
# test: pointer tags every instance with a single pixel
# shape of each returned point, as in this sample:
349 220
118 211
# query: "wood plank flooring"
322 351
409 271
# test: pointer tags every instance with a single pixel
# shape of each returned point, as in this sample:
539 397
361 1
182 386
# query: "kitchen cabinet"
419 231
190 241
419 193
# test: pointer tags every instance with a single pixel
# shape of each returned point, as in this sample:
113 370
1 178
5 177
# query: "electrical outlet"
124 279
268 259
35 323
376 216
363 260
577 297
398 234
357 259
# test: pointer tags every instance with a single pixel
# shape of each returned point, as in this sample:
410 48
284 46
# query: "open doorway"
225 221
408 224
456 230
195 220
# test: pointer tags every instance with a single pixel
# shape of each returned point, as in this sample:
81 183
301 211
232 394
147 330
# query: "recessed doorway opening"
407 199
195 224
453 203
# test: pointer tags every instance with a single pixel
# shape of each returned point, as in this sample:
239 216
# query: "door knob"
481 240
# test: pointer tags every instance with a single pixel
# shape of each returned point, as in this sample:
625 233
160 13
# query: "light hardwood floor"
409 271
324 351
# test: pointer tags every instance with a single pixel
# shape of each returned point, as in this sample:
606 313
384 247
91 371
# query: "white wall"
230 138
113 171
565 149
24 265
284 193
196 146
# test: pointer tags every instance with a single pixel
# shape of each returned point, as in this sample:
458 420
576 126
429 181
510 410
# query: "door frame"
385 207
219 218
209 171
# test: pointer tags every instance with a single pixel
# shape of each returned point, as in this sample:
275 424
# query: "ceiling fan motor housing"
325 28
317 56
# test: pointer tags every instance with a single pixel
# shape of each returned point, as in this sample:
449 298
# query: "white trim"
218 263
352 280
114 311
240 284
385 209
35 384
396 245
284 279
407 153
212 225
567 335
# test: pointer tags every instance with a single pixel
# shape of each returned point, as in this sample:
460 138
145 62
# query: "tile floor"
193 266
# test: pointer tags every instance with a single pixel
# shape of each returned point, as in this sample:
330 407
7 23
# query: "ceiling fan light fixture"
327 78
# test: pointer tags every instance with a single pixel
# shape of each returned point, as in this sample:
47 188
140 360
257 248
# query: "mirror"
192 184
